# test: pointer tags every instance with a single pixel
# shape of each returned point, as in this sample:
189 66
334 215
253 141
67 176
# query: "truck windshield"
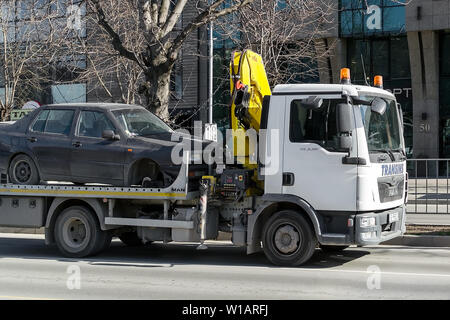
140 122
382 130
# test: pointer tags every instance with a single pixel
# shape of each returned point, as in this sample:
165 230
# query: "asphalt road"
31 270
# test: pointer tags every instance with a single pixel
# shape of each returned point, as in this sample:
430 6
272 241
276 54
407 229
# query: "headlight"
368 235
367 222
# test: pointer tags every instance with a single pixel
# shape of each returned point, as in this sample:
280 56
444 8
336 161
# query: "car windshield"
382 130
140 122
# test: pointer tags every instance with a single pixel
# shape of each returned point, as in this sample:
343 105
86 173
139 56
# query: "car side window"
39 124
93 123
54 121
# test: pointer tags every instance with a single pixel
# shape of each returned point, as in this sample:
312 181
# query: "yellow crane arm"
249 85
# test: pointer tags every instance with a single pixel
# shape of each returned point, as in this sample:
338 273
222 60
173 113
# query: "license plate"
393 217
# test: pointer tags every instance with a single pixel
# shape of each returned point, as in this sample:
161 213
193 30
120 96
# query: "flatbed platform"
177 191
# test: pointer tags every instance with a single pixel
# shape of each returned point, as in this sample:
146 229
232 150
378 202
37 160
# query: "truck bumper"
370 228
389 224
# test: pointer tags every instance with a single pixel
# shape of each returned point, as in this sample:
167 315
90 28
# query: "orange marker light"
345 75
130 150
378 82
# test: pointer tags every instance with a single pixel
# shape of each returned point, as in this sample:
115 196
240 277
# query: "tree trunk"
4 114
159 94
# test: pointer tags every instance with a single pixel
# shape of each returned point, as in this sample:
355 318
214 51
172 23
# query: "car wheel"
78 233
22 170
288 239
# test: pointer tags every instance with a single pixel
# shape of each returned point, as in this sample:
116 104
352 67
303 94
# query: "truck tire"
78 234
331 249
22 170
106 243
288 239
131 239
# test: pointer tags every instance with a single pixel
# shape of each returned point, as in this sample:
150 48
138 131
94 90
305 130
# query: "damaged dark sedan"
117 144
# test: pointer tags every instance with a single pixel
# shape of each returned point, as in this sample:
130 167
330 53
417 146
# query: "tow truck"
327 169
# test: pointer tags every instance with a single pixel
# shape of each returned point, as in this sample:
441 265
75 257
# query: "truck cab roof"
343 89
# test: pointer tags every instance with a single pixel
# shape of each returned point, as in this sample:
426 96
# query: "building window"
368 17
388 57
69 93
176 82
444 95
35 20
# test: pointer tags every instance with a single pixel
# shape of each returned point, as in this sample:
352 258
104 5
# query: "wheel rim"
287 239
75 232
22 171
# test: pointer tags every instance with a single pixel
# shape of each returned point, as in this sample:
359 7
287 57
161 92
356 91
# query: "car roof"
101 105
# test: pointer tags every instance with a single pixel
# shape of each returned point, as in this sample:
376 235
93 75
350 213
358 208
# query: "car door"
313 165
49 140
93 158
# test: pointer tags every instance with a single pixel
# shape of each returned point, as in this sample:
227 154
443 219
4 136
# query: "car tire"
288 239
23 171
331 249
78 233
131 239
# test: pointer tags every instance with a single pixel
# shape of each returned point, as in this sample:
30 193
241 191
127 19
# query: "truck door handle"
32 139
288 179
77 144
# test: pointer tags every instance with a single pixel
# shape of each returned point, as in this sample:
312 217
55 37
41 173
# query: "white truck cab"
342 158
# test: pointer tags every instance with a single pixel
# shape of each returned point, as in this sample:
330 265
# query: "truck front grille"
391 188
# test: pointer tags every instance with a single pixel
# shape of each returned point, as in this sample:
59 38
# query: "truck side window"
314 126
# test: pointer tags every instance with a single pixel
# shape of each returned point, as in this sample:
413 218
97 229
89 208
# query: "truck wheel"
22 170
78 233
106 243
288 239
331 249
131 239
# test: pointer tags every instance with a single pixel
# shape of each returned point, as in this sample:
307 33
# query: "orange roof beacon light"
378 82
345 76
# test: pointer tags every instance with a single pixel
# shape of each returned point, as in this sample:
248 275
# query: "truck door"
93 158
313 166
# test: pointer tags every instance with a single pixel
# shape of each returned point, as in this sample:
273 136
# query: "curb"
420 241
408 240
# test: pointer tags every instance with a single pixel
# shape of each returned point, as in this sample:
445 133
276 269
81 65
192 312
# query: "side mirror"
312 102
344 125
110 135
344 118
345 142
379 106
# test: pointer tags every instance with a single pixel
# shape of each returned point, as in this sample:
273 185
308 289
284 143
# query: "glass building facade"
444 95
376 40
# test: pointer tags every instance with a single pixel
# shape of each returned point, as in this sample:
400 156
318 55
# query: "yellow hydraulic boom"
249 85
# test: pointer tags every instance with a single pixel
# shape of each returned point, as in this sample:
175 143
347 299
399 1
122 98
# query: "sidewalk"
430 219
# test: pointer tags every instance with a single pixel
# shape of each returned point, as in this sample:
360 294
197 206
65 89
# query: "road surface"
31 270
